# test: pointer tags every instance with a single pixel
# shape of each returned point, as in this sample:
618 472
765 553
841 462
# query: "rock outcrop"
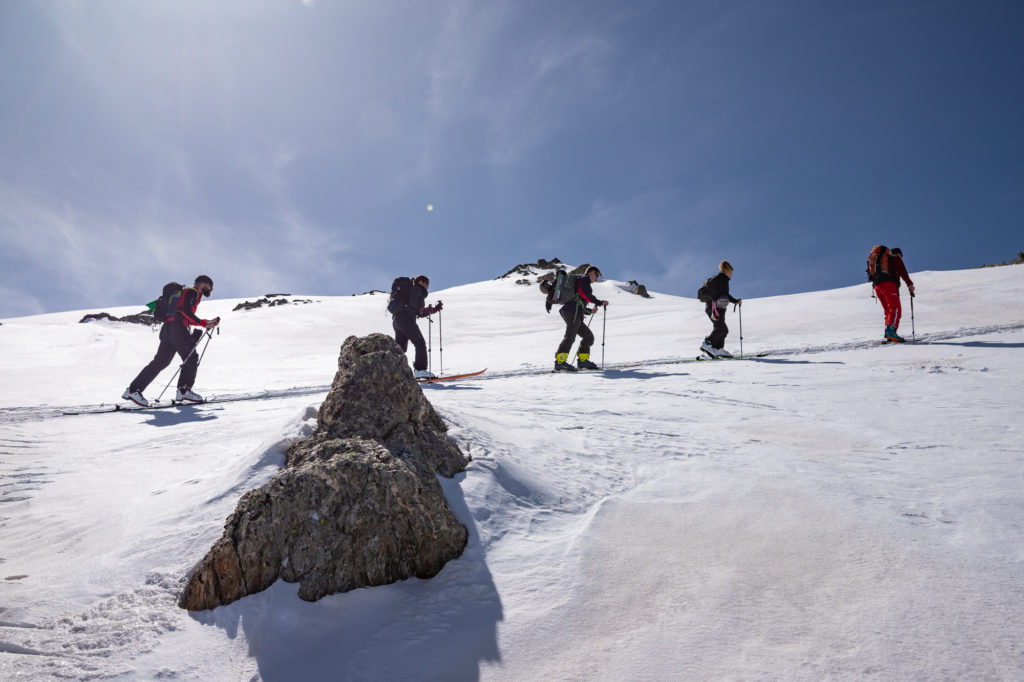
638 289
1017 261
358 503
144 317
530 269
269 301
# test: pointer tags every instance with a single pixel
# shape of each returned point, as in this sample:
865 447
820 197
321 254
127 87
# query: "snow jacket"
898 270
719 286
185 311
584 295
414 304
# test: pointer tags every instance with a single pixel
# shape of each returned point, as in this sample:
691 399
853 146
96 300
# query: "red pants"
889 296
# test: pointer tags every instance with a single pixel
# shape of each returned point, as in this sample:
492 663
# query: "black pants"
175 337
718 331
407 330
575 326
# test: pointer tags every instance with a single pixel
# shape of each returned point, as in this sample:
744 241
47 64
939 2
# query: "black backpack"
164 306
704 294
561 289
400 290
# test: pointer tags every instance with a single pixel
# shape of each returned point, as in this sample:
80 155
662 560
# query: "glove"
547 306
210 324
438 306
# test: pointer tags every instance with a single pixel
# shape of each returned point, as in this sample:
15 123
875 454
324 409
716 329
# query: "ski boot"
583 362
423 374
562 363
707 348
892 336
185 395
135 397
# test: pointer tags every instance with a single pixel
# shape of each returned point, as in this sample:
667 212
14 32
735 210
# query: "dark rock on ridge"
145 317
1017 261
529 269
358 503
270 300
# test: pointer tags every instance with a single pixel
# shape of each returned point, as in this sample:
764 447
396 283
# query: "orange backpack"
878 265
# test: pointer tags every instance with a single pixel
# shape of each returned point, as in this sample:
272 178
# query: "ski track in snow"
837 509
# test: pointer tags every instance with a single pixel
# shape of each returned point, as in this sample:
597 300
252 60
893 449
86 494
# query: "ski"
452 377
701 358
132 407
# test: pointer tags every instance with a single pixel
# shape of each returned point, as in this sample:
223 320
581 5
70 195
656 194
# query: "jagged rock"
145 317
351 515
375 396
358 503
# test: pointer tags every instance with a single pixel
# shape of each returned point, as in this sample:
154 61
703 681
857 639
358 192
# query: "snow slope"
837 509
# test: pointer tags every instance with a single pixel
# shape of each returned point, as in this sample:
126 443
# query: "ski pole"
440 340
206 333
604 325
208 337
430 344
739 308
913 332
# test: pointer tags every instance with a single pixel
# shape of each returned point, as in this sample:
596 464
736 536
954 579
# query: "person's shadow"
974 344
182 414
442 628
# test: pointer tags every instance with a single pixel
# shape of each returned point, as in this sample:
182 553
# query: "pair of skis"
133 407
452 377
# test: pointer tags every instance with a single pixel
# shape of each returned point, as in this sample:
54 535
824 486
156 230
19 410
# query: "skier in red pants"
886 268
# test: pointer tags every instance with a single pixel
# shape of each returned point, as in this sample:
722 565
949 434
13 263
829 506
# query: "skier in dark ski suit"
403 321
574 313
715 309
175 337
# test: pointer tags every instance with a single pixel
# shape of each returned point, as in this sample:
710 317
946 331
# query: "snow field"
837 509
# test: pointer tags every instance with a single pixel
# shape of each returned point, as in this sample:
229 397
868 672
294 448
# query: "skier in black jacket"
715 309
574 313
175 337
403 321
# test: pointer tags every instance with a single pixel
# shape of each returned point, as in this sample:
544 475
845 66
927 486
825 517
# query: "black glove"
438 306
547 306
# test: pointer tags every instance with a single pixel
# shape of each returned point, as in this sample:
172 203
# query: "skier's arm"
189 302
586 293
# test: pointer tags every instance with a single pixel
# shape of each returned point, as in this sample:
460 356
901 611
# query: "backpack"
561 289
164 306
878 265
400 290
704 294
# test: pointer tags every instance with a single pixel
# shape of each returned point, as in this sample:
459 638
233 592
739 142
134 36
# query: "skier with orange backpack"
885 269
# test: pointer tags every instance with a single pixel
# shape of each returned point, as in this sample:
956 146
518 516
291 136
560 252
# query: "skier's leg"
586 339
571 324
163 357
185 344
400 336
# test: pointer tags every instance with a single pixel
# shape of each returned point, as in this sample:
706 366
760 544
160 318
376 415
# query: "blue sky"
295 146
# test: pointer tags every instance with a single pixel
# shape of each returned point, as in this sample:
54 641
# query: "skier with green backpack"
574 292
176 309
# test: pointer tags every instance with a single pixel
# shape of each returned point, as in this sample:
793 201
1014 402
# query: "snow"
837 509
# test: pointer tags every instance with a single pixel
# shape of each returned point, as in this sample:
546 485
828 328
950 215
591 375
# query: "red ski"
451 377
